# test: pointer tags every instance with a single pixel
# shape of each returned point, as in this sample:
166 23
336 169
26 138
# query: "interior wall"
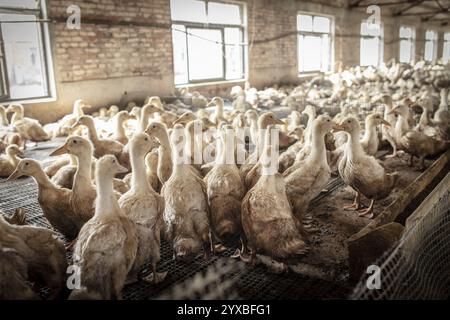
123 51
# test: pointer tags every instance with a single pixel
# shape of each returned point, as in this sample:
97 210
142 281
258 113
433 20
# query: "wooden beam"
408 7
354 4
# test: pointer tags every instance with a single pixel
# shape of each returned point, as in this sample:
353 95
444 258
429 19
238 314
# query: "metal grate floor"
250 282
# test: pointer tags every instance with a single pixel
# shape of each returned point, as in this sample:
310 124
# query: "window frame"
380 46
41 13
216 26
331 34
435 45
413 42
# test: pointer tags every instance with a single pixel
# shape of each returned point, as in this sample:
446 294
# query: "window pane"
405 51
447 36
188 10
234 59
24 56
446 53
223 13
205 56
309 47
179 54
29 4
326 42
304 22
370 29
405 32
321 24
369 54
430 35
429 50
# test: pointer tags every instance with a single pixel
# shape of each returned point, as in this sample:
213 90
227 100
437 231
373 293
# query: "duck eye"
348 121
26 163
146 139
114 161
75 141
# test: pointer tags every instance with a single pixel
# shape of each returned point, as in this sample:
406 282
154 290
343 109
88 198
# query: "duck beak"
177 121
278 121
61 150
15 175
121 169
384 122
337 127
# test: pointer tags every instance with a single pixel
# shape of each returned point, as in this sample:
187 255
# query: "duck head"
267 119
376 119
85 120
156 101
216 101
108 166
251 115
25 167
143 142
156 129
185 118
349 125
75 145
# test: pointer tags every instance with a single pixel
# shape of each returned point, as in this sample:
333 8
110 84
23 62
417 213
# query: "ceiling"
434 11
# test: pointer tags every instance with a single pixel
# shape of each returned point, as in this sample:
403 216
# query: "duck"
264 121
59 162
28 129
287 158
65 175
310 111
185 118
251 116
363 172
65 124
268 224
442 114
107 244
119 133
198 100
164 169
225 191
41 250
14 274
306 179
83 190
147 112
9 162
3 118
53 200
151 164
416 143
218 115
388 132
186 213
370 141
145 207
101 146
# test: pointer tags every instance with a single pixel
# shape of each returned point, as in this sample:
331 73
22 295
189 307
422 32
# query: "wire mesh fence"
419 266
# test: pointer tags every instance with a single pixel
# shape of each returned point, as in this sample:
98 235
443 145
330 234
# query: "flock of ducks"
121 183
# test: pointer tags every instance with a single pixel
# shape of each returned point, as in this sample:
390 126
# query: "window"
407 37
24 53
314 43
208 41
371 46
431 38
446 51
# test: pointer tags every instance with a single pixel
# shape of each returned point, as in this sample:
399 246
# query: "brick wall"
123 51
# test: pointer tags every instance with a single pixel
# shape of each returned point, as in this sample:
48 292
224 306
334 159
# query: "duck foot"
219 248
18 218
368 213
352 207
236 254
155 278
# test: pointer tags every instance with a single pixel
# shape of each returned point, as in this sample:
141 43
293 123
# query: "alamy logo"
74 20
374 280
374 20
